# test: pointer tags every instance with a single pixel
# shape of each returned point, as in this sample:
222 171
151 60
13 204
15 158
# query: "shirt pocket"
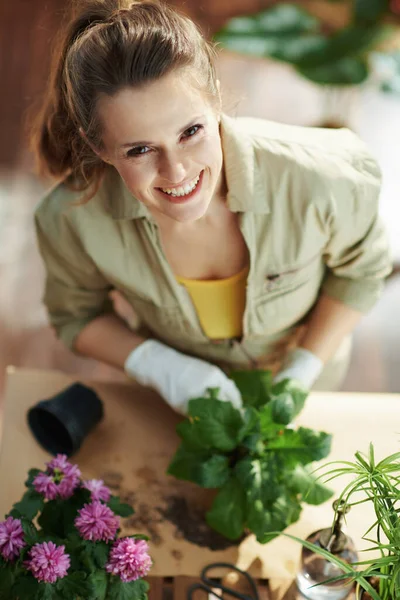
165 322
286 296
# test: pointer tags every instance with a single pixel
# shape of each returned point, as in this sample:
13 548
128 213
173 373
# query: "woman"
237 242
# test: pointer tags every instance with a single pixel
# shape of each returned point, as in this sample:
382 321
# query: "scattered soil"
147 475
191 525
113 480
146 520
182 504
177 554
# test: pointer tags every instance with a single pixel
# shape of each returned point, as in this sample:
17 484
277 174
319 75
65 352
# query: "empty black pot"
61 423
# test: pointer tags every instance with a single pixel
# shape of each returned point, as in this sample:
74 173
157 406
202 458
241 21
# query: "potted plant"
337 58
376 483
325 55
258 463
60 541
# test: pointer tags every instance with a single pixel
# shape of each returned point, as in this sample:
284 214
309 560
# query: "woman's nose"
172 169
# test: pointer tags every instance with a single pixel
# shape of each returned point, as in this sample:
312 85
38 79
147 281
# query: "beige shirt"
308 204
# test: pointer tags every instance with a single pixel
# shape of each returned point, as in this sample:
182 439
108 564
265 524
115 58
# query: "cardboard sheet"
133 445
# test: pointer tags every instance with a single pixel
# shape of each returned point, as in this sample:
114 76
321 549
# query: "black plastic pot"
61 423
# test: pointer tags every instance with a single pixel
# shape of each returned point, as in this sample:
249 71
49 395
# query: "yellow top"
220 303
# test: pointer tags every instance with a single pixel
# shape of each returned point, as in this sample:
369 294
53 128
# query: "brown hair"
107 46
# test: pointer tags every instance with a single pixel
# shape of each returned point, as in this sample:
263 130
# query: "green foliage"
255 461
376 483
288 33
30 504
120 508
75 585
135 590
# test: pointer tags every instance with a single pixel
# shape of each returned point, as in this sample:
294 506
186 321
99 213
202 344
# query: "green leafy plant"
60 541
257 461
289 33
376 483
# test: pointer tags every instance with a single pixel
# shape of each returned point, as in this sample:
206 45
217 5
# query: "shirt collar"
247 190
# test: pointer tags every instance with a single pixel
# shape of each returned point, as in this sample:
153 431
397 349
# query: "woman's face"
163 139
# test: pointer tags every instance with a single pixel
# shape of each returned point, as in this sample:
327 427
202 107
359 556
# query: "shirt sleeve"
75 291
357 255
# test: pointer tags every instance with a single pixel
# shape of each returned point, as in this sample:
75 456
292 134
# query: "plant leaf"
302 446
31 534
227 512
301 481
284 511
26 586
120 508
295 390
74 585
134 590
32 473
185 461
212 473
30 504
211 424
259 478
254 386
269 507
283 409
97 552
346 71
6 580
98 582
51 519
268 428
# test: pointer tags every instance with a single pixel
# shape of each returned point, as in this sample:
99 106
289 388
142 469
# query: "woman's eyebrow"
147 143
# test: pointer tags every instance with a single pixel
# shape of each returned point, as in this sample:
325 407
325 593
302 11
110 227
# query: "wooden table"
131 448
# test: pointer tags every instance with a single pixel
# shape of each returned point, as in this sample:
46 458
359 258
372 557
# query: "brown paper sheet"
133 445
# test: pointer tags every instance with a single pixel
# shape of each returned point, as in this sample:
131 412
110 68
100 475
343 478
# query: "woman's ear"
99 153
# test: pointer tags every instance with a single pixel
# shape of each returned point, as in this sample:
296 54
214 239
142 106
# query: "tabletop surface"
131 448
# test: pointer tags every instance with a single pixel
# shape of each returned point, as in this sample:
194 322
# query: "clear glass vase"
315 569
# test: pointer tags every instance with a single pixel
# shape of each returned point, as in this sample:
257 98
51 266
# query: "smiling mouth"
181 194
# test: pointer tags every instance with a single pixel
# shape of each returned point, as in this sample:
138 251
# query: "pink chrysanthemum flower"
11 538
48 562
129 558
98 491
60 479
97 522
44 484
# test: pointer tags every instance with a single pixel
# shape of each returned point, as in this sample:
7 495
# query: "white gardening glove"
301 365
178 377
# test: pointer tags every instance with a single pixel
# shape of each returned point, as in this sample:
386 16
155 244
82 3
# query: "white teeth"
182 191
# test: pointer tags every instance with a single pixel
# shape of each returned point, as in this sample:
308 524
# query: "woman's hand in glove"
177 377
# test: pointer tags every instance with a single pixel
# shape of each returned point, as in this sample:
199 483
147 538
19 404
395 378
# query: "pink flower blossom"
48 562
97 522
60 462
129 559
44 484
11 538
60 479
98 491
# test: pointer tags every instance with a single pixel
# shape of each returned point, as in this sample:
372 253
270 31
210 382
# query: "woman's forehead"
166 105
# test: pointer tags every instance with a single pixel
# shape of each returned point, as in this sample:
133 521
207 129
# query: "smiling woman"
177 171
237 242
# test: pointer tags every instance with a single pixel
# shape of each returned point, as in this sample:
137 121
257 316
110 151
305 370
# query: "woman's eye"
138 151
192 130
